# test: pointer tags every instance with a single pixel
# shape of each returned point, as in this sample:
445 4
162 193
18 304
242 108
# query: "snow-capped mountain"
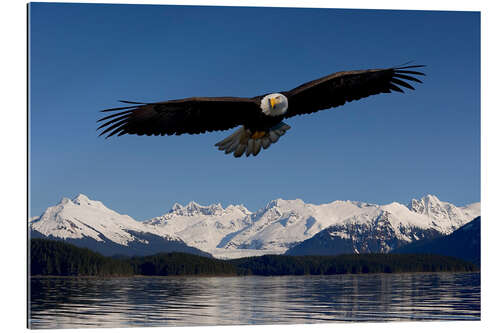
82 217
234 231
89 223
446 215
387 227
204 227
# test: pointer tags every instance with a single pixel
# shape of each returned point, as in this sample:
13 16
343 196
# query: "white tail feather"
265 142
241 142
250 144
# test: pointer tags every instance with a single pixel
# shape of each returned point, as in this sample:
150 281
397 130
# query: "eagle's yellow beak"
272 101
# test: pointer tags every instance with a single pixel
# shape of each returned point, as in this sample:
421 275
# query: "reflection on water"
187 301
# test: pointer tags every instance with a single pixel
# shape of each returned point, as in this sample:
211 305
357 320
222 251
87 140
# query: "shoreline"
232 276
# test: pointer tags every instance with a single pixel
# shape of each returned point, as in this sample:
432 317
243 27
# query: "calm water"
187 301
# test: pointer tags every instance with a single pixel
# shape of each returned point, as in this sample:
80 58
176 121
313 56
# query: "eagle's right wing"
191 115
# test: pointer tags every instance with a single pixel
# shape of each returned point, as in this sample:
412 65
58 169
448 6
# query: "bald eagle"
261 117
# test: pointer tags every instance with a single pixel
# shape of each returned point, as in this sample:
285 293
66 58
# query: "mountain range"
281 226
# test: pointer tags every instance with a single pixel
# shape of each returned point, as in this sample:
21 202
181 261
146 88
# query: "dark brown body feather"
204 114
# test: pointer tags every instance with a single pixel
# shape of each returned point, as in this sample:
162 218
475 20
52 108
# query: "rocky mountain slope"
463 243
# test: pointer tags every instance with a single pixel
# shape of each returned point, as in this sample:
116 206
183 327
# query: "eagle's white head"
274 104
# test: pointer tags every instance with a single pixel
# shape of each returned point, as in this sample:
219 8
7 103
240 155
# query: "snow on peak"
83 217
204 227
395 205
193 208
176 207
425 203
275 209
241 208
278 205
284 203
81 198
445 214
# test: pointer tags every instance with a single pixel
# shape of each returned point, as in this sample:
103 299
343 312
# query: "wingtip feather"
396 88
402 83
131 102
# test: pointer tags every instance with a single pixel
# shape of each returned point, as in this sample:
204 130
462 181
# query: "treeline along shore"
57 258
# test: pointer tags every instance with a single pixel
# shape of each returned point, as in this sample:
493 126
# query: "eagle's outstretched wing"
191 115
338 88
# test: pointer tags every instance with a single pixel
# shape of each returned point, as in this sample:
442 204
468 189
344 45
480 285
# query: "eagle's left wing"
338 88
190 115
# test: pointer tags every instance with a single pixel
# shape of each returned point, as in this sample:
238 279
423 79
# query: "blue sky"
384 148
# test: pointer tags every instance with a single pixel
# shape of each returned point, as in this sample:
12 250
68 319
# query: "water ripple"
181 301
